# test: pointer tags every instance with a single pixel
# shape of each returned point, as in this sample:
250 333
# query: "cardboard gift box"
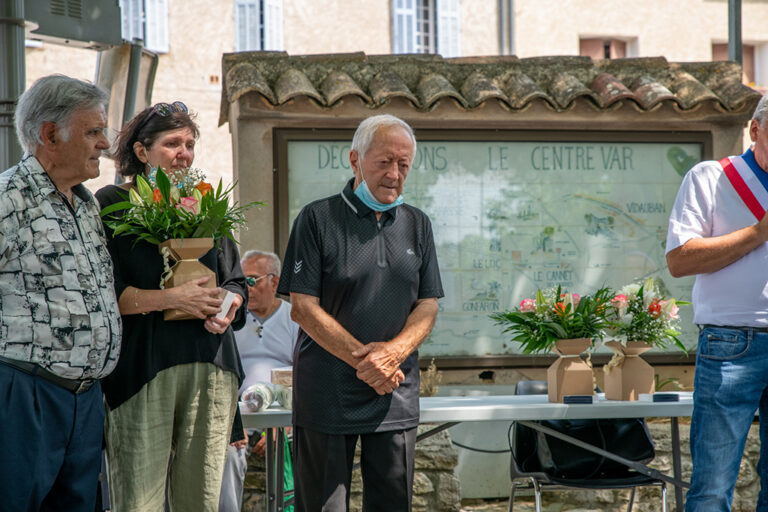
282 375
626 374
570 374
186 253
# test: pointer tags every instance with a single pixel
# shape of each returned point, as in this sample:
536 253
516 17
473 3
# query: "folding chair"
525 465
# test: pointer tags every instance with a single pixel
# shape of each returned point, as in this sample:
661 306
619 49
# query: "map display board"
513 216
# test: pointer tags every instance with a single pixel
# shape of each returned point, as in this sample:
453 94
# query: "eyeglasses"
164 110
252 280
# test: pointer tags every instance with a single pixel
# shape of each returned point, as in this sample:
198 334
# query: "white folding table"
526 409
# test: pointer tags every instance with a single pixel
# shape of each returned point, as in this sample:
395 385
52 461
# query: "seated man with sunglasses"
266 342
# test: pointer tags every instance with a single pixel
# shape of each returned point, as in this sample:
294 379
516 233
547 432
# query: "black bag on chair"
625 437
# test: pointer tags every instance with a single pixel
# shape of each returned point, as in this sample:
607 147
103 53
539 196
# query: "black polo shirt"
368 275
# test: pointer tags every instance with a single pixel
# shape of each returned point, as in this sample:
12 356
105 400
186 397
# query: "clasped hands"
379 366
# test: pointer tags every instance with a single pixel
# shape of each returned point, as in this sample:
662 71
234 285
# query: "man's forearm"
417 327
323 328
706 255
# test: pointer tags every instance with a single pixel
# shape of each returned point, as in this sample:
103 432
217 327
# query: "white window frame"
442 20
404 26
262 28
146 20
448 27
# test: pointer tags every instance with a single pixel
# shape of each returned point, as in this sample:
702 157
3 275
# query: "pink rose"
576 298
188 204
670 309
620 301
527 306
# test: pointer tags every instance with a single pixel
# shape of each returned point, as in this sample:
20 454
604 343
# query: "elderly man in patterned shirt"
59 321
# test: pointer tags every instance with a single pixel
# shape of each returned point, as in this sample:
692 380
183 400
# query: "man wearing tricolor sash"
718 232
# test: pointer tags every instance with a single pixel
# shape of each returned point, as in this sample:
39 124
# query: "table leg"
676 466
270 463
280 471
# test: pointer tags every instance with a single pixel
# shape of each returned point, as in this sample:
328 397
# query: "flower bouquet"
640 318
183 215
566 323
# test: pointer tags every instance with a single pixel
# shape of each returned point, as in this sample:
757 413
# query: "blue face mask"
364 194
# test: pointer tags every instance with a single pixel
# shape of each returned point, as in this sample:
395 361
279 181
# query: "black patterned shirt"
57 298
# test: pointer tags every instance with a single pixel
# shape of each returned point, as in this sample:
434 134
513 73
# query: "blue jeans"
730 384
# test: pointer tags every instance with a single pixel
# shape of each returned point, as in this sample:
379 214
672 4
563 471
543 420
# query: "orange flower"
655 308
560 308
156 195
204 187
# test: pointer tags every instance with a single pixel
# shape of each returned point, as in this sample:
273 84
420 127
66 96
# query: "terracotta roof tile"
293 83
478 88
339 84
565 88
609 89
243 79
388 84
649 93
689 91
426 79
434 87
521 90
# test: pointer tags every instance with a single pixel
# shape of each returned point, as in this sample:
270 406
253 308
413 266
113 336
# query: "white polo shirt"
266 343
707 205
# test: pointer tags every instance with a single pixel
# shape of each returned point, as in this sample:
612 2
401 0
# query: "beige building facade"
199 32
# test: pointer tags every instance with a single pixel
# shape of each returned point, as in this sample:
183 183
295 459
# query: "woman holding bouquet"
173 394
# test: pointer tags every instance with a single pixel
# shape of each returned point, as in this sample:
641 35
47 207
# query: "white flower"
630 290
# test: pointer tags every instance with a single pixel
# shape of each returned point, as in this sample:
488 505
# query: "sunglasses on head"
164 110
252 280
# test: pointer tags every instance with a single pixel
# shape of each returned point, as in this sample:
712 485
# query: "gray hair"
761 111
363 138
53 98
273 260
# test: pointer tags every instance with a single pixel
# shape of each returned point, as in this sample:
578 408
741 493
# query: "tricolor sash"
749 180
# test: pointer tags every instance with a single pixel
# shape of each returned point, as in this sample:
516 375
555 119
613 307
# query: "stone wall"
435 487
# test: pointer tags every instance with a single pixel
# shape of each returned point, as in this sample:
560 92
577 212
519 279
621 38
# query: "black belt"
745 329
75 386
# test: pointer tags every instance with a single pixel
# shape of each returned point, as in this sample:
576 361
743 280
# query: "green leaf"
145 190
164 185
122 205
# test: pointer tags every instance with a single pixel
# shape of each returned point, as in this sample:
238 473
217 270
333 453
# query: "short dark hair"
145 129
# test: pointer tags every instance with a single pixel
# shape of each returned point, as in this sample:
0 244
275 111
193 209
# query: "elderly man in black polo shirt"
362 273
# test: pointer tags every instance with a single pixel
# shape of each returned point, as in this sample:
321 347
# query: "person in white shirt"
718 232
266 342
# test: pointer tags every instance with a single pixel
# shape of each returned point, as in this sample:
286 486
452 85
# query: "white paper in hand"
228 299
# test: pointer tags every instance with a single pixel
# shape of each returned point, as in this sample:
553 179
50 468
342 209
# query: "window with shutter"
426 26
248 25
449 28
404 26
273 25
156 16
132 19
